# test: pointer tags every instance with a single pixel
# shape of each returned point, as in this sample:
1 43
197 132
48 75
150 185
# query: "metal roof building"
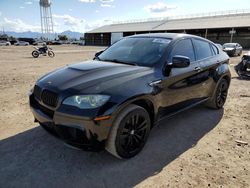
219 27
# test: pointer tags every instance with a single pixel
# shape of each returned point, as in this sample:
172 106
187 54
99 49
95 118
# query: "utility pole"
232 32
206 34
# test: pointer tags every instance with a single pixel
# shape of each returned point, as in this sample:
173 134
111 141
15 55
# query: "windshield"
138 51
229 45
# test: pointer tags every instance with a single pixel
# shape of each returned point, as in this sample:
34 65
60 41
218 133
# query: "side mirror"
179 61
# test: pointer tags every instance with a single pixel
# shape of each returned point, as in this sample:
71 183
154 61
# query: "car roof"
172 36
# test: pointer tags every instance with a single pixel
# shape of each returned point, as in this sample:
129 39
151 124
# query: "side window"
215 49
184 48
202 49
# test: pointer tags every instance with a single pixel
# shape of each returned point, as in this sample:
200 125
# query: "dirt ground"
196 148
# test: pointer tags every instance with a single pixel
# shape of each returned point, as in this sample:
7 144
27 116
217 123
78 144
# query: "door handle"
198 69
154 83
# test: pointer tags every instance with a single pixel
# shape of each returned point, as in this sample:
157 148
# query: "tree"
3 37
62 37
11 38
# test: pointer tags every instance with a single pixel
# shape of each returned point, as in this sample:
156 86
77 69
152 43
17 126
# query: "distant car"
219 46
54 43
114 100
81 43
39 43
21 43
5 43
232 49
75 42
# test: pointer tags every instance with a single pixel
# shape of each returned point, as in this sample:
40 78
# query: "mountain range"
29 34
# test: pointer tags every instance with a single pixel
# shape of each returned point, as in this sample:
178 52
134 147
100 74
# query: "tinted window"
184 48
215 49
138 50
203 49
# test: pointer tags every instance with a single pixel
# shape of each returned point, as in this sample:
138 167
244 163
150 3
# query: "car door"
207 54
182 86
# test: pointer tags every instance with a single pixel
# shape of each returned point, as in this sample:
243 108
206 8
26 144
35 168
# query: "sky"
84 15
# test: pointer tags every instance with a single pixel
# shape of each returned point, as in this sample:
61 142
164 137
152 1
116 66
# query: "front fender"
147 94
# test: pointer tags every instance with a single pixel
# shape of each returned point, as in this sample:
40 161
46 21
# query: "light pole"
232 32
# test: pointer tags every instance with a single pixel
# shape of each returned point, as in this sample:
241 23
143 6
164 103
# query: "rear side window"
215 49
184 48
202 49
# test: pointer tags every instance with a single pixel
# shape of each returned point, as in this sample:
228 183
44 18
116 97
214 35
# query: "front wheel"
51 54
35 54
220 96
129 132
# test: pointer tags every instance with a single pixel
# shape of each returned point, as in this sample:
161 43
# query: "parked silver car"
4 43
21 43
232 49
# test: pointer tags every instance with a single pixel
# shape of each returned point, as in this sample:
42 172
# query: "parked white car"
4 43
21 43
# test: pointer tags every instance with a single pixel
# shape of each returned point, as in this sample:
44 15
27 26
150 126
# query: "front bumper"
77 131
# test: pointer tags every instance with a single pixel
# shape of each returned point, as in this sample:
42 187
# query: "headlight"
86 101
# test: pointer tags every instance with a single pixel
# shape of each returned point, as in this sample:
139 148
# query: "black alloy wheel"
133 134
129 133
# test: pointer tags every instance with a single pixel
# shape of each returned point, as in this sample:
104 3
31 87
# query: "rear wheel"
129 132
35 54
219 99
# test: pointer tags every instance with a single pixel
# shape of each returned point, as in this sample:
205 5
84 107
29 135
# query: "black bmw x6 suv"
114 100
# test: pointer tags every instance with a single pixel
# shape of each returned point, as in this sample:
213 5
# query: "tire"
51 54
35 54
220 96
129 132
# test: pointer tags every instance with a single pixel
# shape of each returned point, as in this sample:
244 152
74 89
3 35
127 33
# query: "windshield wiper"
121 62
98 58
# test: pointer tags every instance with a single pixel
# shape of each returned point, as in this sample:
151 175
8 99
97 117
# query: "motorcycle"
243 68
39 51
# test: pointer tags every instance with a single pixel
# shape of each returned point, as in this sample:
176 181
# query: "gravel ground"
195 148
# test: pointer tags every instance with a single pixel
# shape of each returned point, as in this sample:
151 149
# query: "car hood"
92 75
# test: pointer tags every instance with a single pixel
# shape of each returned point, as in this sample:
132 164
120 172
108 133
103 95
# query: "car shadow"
36 159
